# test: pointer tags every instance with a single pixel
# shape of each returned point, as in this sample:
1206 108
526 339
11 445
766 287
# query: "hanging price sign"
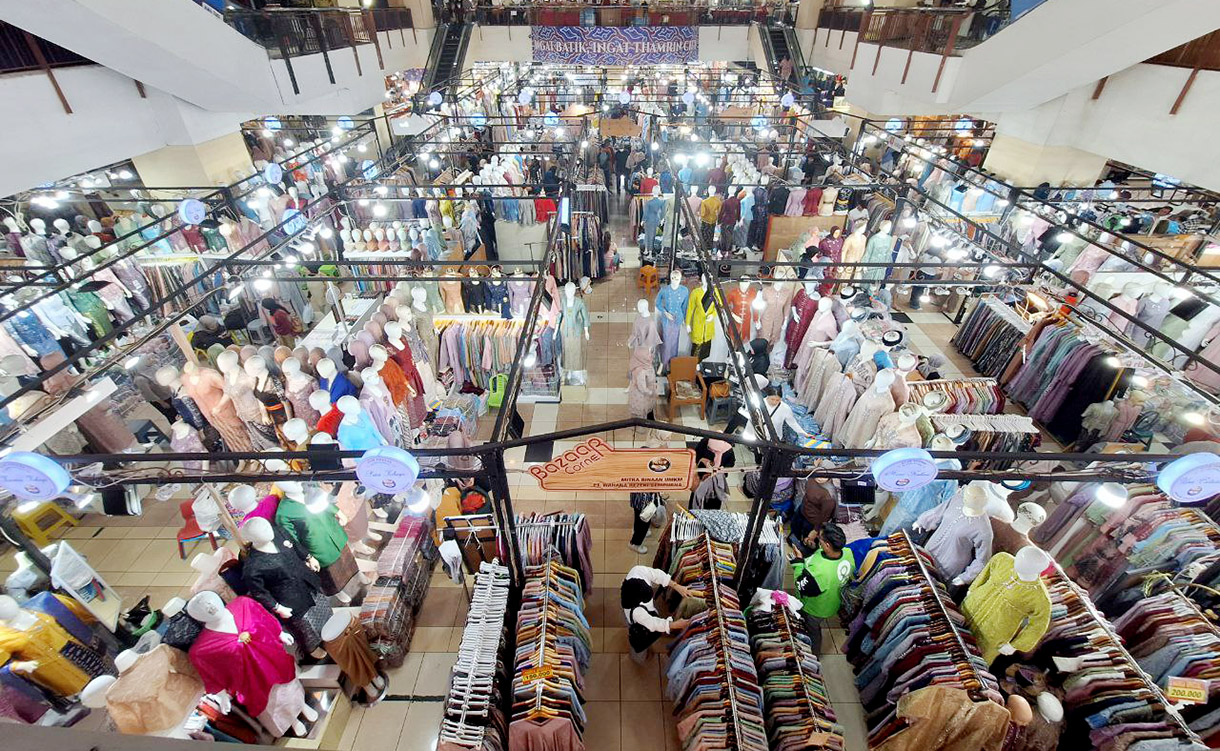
533 675
1187 690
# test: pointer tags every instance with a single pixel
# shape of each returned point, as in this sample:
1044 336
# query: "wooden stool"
39 522
648 279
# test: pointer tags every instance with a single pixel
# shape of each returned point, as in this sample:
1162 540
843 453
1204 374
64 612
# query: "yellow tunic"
1002 609
42 643
702 320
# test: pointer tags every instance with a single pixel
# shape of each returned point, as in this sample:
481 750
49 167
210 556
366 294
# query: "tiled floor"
625 707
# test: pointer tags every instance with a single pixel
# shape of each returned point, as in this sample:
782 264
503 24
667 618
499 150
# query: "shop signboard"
33 477
904 469
387 469
595 465
610 45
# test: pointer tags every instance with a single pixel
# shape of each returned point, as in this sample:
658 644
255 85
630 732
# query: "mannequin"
421 318
654 215
206 388
185 440
247 505
912 503
740 302
1008 607
873 404
1152 310
853 250
397 370
328 422
356 430
377 403
905 428
297 387
672 302
961 542
1127 301
701 319
35 643
644 338
331 380
348 646
277 577
880 249
271 395
240 654
153 695
315 525
804 305
1010 537
709 212
822 328
573 325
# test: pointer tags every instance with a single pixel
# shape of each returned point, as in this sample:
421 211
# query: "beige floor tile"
431 638
402 678
602 679
80 533
604 731
122 555
643 723
422 727
434 671
379 725
352 728
855 729
639 681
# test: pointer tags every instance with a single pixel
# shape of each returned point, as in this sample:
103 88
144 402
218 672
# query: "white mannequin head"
743 285
206 607
975 499
10 612
11 223
569 292
419 296
296 430
291 368
656 191
320 400
379 355
711 191
227 361
258 531
372 380
93 695
173 606
825 305
393 334
906 362
1029 515
641 307
942 442
885 379
292 489
869 348
1050 707
349 406
62 226
243 498
327 368
38 226
180 429
321 439
256 367
1030 562
675 278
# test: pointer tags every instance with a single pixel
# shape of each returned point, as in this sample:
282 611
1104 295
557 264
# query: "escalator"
780 42
446 57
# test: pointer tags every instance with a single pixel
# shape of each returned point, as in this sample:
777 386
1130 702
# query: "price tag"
1188 690
819 739
533 675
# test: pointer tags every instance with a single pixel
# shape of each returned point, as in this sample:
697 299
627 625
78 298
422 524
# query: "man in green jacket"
820 577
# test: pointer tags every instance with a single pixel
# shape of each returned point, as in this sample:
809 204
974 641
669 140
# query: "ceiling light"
1111 494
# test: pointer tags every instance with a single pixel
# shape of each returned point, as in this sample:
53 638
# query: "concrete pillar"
220 161
807 13
1025 163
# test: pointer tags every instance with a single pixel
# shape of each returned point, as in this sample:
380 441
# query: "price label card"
533 675
1188 690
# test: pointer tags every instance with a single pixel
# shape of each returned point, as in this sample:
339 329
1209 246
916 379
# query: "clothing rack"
471 704
567 534
959 642
1114 642
716 605
952 387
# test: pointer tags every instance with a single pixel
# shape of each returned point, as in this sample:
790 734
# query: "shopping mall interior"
758 375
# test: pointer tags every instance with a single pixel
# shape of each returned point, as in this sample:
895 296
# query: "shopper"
550 182
644 624
785 69
644 507
605 161
820 577
282 323
621 172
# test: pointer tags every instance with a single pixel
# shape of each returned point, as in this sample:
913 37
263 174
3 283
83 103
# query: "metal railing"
662 14
939 31
1201 54
21 51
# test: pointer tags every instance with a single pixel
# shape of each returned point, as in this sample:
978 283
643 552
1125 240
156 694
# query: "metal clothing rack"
931 581
491 577
785 619
722 634
1116 643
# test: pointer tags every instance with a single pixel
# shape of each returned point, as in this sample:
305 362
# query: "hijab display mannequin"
245 502
902 429
672 302
155 692
873 404
206 388
701 319
239 390
356 430
961 541
397 371
277 578
1011 536
298 386
777 299
574 328
644 338
1008 607
316 524
240 655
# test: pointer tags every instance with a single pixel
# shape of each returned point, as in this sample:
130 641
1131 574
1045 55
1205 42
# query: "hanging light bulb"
991 271
262 285
417 500
1063 237
1139 381
1111 494
326 233
434 164
379 210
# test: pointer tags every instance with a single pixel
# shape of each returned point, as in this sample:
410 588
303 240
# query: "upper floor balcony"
694 13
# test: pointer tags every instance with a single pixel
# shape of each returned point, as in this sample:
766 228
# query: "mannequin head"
641 307
296 430
62 226
569 291
326 368
206 607
379 355
393 333
1030 563
744 285
349 406
227 361
656 191
825 305
257 531
93 695
320 400
256 367
1050 707
711 191
885 379
942 442
180 429
168 377
38 226
675 278
1029 515
243 498
291 368
9 609
975 499
906 362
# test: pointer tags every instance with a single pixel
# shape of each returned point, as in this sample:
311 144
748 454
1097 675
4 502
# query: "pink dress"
207 388
246 664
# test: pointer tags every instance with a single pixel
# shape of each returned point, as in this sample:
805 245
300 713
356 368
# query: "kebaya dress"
207 388
246 664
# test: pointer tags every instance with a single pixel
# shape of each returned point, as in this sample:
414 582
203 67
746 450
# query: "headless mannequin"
332 630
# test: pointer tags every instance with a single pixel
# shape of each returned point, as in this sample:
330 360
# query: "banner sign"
594 465
613 45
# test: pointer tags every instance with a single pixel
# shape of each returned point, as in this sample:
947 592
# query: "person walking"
820 577
644 624
642 520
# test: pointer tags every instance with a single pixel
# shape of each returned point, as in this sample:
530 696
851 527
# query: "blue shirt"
673 301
